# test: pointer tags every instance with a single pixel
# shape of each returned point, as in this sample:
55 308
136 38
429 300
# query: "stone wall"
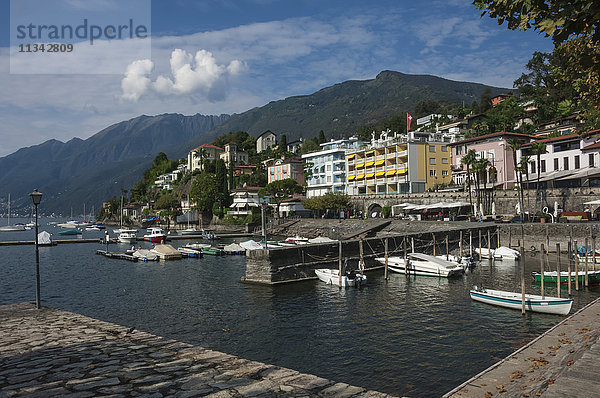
534 234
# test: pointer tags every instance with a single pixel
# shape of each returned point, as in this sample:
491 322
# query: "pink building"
493 147
283 168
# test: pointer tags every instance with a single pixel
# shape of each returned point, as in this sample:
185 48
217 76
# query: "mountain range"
92 170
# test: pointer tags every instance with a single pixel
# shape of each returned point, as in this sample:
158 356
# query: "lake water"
420 337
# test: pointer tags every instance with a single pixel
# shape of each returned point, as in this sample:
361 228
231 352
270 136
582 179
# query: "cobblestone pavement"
563 362
48 352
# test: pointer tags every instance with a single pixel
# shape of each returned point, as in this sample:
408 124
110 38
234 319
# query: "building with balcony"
201 154
408 163
494 147
233 157
284 168
327 167
244 199
266 140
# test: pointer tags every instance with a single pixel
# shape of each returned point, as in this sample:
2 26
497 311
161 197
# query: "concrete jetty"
49 352
562 362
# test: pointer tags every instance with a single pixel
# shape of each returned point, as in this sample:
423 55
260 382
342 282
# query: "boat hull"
437 267
550 277
154 239
331 277
543 304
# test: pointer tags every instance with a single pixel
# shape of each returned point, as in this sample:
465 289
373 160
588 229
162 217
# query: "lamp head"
36 197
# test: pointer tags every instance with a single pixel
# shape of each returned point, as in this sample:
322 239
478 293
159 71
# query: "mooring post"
489 246
587 255
547 238
470 243
576 259
569 257
498 236
433 236
361 265
542 253
594 250
340 264
405 265
480 256
447 249
522 281
558 268
460 248
522 235
412 245
509 235
386 259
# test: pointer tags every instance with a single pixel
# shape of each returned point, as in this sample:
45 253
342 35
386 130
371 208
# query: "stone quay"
48 352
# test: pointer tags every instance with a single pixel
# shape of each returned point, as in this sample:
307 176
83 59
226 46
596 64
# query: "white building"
244 199
165 181
327 167
233 156
266 140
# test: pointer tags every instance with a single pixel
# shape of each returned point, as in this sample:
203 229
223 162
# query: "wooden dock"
117 255
562 362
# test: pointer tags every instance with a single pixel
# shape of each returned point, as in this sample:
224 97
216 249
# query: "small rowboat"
70 232
212 251
550 277
331 277
545 304
188 252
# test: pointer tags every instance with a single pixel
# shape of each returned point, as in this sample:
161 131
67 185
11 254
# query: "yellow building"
405 164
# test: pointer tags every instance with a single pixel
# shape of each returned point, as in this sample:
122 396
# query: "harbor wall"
533 235
288 264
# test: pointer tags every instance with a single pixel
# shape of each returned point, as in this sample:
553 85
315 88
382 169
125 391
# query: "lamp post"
36 198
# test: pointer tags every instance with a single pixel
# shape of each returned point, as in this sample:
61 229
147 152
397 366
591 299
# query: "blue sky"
214 57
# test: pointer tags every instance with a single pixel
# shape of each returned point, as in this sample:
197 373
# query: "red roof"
208 146
554 139
492 135
593 146
247 189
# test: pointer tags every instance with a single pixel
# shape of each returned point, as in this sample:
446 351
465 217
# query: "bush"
386 211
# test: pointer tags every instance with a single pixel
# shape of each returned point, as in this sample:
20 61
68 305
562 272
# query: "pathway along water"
416 337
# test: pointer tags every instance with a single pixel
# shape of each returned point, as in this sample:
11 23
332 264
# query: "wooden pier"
117 255
562 362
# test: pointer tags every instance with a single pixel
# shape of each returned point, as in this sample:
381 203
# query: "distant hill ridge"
92 170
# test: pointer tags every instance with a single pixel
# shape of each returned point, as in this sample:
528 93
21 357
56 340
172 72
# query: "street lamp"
36 198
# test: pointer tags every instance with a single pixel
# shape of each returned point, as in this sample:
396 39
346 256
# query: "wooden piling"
460 244
405 257
386 259
498 236
570 260
587 256
509 236
447 248
522 235
412 245
433 236
558 268
542 254
576 262
470 243
361 254
547 238
489 246
522 263
594 250
340 264
480 256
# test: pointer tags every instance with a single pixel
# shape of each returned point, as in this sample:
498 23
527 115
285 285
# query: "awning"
370 175
370 152
592 202
369 164
350 178
402 171
380 173
379 162
587 172
351 156
390 172
360 177
360 165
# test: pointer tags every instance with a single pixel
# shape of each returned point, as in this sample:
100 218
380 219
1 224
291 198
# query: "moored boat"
234 248
534 303
501 253
550 276
145 255
423 264
188 252
155 235
331 277
213 251
70 232
166 252
127 235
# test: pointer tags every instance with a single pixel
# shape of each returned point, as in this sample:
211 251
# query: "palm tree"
468 160
538 148
480 170
515 144
524 167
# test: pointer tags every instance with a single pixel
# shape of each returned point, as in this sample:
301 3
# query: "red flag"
408 120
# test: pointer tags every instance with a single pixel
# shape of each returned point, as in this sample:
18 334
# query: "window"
295 175
431 148
459 150
577 161
431 160
556 164
294 166
328 167
543 166
591 160
444 148
532 167
328 178
444 172
431 173
444 160
566 163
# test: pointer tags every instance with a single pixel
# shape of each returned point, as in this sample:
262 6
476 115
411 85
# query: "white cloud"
198 74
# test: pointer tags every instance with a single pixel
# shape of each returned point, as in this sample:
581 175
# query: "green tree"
334 202
322 137
223 197
309 146
204 192
282 144
280 190
469 160
168 205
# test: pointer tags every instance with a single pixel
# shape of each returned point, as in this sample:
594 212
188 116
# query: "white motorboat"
128 235
145 255
190 231
423 264
321 239
198 246
501 253
155 235
464 262
251 245
297 240
189 252
234 248
545 304
331 277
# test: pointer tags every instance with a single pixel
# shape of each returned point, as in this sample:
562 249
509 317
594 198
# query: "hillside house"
232 156
284 168
201 154
266 140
